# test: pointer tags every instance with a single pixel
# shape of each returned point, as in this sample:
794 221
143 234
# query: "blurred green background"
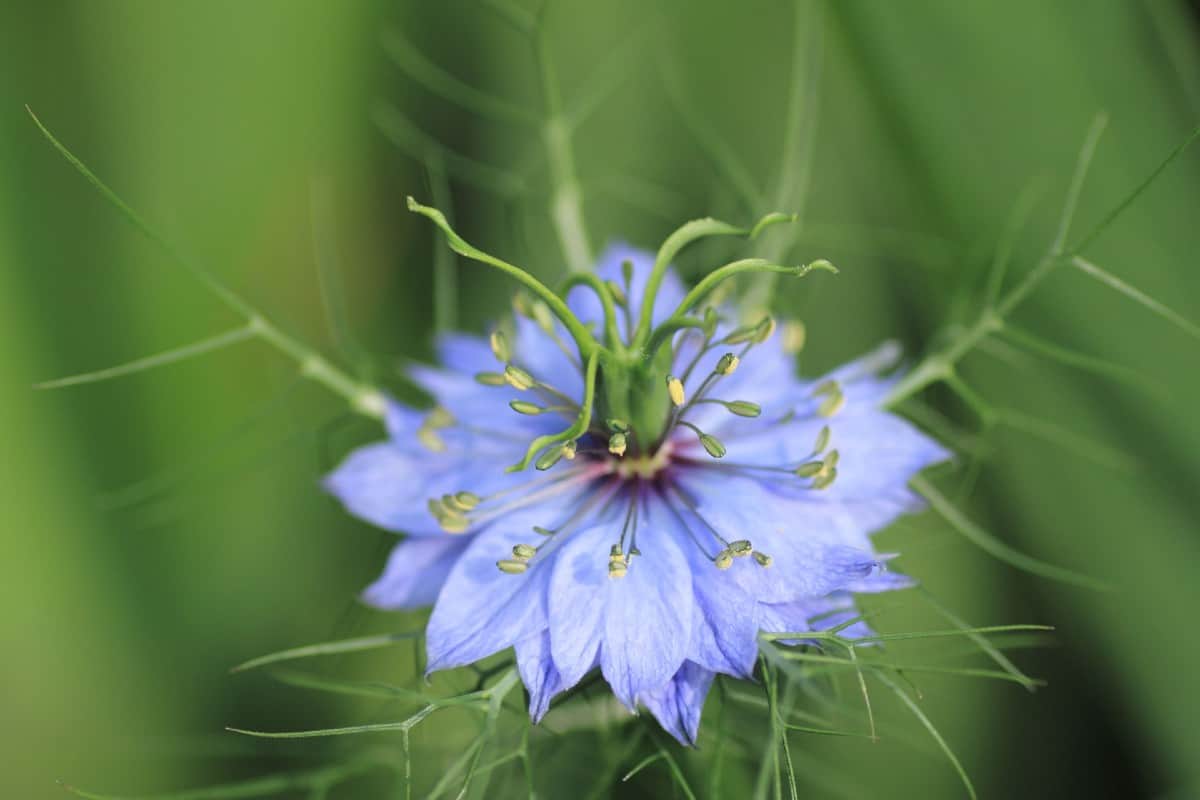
239 128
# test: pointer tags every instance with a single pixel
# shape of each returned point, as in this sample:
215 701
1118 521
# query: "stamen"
742 408
527 408
809 469
468 500
834 398
549 458
439 417
794 336
518 378
825 478
822 440
511 566
500 347
675 390
712 445
765 330
524 552
724 558
430 440
445 510
617 444
763 559
490 378
741 547
728 363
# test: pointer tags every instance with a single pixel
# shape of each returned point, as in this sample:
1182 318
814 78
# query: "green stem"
680 238
589 279
665 331
583 338
722 274
566 198
364 399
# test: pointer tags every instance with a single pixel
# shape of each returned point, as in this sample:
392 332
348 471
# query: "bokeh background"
275 141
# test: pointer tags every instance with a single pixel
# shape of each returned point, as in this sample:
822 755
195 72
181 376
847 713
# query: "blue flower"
699 494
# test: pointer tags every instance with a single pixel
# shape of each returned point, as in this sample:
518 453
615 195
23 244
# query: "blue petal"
401 421
463 352
724 630
538 673
390 486
648 613
415 572
809 558
578 589
382 484
481 610
639 625
677 705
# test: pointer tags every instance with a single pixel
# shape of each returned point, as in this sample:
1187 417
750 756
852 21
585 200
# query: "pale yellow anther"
825 478
809 469
794 336
511 566
430 440
822 440
518 378
724 560
617 569
832 404
763 559
764 330
523 552
439 417
831 460
467 500
452 523
500 348
728 363
542 316
675 390
490 378
741 547
617 444
450 502
569 450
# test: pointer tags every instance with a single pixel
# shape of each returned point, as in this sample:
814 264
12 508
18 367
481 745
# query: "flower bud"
728 363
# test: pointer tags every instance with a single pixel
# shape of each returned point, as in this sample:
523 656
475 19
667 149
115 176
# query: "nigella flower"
688 490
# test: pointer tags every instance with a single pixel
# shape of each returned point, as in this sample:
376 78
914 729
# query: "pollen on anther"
675 390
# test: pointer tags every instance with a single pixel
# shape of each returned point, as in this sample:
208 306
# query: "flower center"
645 467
